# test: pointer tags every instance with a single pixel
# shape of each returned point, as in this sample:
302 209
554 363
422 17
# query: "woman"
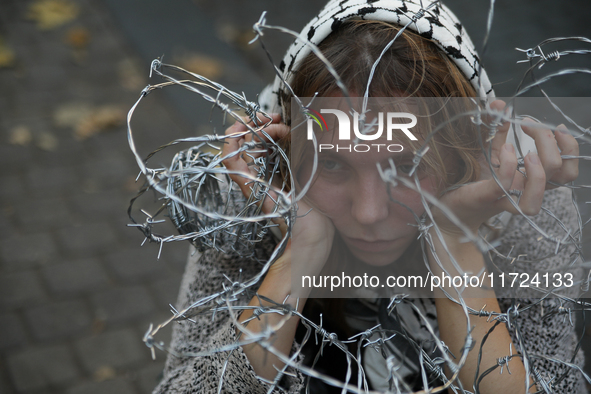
355 209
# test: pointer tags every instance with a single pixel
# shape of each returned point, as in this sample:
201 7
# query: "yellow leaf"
78 37
131 76
50 14
47 141
231 34
103 373
70 114
6 55
204 65
20 135
100 119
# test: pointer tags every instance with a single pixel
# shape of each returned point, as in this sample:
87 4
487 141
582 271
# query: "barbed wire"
210 211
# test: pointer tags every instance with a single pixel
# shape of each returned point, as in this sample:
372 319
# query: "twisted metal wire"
209 210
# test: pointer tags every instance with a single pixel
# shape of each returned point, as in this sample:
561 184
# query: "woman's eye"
404 168
330 165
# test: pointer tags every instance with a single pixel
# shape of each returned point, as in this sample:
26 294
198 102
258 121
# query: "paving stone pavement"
77 292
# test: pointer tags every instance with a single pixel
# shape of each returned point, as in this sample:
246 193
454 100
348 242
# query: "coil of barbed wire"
191 180
209 210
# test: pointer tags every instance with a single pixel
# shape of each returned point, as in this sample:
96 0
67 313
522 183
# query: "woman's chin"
376 259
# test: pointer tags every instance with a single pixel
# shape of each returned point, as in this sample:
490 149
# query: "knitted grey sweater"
546 335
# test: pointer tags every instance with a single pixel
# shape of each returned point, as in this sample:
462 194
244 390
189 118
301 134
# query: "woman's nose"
370 200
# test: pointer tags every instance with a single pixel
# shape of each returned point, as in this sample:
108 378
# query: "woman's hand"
305 254
245 162
312 233
475 203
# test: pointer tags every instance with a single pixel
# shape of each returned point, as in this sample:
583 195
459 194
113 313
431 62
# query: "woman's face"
374 225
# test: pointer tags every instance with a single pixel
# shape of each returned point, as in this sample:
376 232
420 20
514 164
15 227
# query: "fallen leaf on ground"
70 114
86 120
78 37
100 119
49 14
227 32
207 66
7 56
231 34
47 141
103 373
20 135
130 75
98 326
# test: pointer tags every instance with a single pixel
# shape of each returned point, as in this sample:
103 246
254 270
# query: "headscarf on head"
429 18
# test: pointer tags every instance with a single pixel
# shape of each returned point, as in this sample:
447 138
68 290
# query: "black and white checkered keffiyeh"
431 19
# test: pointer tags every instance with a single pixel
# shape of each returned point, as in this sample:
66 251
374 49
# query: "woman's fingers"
276 131
242 162
568 147
550 147
510 187
501 136
546 146
234 161
505 173
479 201
239 134
528 192
485 196
530 201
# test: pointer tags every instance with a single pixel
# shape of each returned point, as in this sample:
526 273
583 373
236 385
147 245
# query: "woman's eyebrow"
333 156
327 154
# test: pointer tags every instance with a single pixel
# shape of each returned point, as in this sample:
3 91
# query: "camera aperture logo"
392 120
315 115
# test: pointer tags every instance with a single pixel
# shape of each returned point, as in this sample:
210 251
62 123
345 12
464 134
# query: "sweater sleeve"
225 364
544 326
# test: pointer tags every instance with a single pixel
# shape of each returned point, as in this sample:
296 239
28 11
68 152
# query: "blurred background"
77 292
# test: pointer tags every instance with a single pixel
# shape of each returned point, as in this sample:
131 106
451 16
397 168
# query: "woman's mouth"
368 246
